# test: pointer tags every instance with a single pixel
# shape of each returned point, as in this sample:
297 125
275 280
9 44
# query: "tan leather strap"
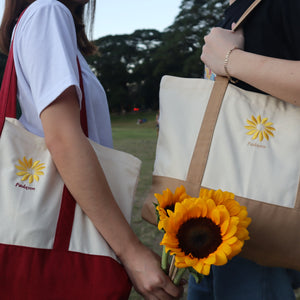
201 151
245 14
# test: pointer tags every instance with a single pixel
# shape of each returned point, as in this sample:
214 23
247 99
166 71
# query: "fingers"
160 295
173 290
148 278
162 288
217 44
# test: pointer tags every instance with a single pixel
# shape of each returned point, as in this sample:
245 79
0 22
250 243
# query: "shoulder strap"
245 14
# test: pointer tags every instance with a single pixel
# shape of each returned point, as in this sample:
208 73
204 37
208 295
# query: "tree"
130 66
183 40
134 64
123 65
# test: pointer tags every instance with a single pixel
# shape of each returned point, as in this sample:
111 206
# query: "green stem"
179 275
164 259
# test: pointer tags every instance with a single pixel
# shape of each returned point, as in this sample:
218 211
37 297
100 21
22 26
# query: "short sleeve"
46 46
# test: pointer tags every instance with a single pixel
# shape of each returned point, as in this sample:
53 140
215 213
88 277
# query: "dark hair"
13 8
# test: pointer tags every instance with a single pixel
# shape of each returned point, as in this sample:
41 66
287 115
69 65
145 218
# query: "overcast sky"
125 16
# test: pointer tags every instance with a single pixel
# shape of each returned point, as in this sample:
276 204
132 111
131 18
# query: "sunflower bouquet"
200 232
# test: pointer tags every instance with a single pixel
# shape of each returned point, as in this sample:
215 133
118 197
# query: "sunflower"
30 170
207 230
260 128
166 202
234 209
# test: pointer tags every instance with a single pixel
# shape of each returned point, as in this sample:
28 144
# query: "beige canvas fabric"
30 219
246 143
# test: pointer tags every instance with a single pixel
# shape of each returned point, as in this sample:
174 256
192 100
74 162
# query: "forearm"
78 165
277 77
79 168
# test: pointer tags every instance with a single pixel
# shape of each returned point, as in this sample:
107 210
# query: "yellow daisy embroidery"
30 170
260 128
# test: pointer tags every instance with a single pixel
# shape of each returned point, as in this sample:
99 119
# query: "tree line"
130 66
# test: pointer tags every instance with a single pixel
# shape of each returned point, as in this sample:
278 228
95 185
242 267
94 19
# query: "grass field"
140 140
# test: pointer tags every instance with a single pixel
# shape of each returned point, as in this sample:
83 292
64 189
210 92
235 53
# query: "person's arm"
277 77
78 165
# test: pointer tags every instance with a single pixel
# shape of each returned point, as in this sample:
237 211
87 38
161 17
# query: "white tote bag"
218 136
31 191
49 248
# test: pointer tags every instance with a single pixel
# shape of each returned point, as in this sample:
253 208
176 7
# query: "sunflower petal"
242 233
225 248
224 214
224 227
190 261
221 258
199 267
215 216
206 269
211 259
232 228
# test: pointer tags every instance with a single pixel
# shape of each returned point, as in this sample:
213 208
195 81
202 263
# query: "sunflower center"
199 237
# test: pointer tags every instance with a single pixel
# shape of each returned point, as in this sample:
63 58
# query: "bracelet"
226 60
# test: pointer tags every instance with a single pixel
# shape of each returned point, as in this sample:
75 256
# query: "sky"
125 16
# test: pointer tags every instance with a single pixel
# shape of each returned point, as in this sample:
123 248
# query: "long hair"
13 9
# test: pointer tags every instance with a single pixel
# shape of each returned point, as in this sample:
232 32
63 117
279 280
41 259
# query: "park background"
130 67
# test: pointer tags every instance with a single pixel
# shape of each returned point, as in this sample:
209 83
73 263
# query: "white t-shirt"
45 52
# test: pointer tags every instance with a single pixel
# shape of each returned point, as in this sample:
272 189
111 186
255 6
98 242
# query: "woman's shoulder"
47 4
46 19
41 9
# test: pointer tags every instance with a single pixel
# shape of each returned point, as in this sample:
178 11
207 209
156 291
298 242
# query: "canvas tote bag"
218 136
49 249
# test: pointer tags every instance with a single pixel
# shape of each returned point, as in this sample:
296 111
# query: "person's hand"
148 279
217 44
